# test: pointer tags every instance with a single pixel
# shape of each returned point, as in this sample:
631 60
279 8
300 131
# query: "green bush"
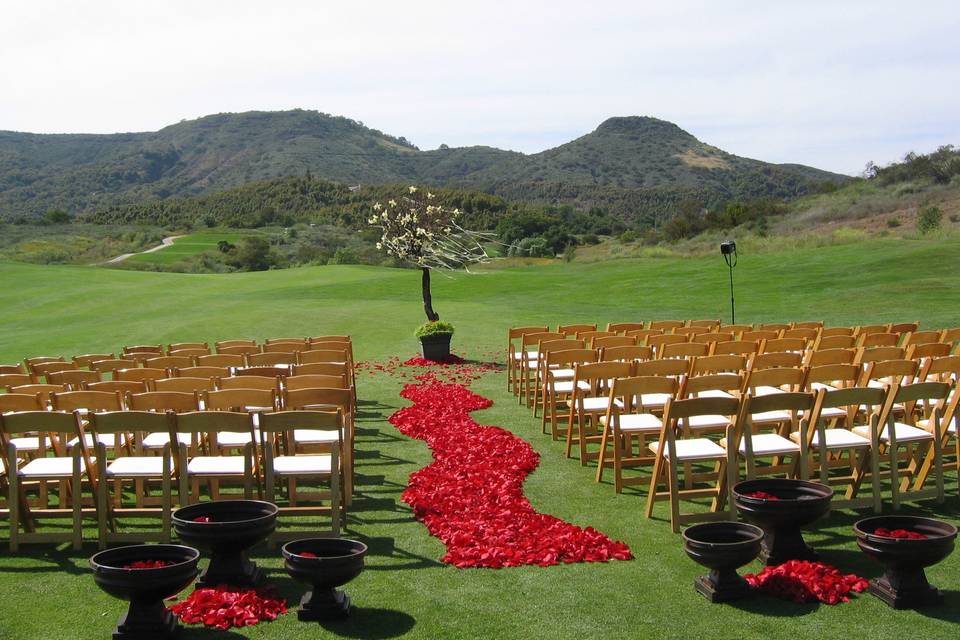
434 329
893 222
929 219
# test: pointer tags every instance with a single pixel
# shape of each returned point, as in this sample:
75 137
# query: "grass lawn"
48 592
189 245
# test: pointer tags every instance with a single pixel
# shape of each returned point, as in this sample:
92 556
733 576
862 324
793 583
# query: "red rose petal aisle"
471 496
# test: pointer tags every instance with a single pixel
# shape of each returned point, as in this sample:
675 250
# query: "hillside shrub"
929 219
893 223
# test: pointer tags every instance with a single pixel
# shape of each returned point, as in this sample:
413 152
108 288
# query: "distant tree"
57 216
254 254
419 231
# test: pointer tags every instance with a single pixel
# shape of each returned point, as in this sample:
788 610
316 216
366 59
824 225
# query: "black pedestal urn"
145 575
436 347
324 564
905 545
787 506
227 529
722 547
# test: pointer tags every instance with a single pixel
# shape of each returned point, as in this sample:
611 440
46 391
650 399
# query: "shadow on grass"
206 633
774 607
47 559
368 623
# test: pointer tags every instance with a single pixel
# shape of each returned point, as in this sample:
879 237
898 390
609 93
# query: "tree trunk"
432 315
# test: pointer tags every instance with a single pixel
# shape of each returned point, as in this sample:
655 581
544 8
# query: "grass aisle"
406 592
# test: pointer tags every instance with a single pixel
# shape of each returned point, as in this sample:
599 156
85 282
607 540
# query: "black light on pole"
729 251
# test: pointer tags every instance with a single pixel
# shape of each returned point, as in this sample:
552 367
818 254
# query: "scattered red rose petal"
224 607
901 534
149 564
307 554
203 519
804 581
762 495
471 496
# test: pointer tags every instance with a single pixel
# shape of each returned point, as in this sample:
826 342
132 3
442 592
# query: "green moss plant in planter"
435 340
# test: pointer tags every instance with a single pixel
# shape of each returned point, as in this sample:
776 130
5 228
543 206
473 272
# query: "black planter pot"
904 584
337 561
436 347
800 503
145 589
234 527
722 547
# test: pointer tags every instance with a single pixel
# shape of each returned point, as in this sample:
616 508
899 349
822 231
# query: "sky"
828 84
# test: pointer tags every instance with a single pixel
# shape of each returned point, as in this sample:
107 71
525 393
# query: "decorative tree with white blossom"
422 233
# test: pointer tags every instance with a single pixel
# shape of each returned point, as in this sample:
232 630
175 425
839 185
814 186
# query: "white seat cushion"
566 386
714 393
904 433
301 465
233 438
770 444
766 390
28 443
108 440
561 374
836 439
48 467
654 400
531 355
215 466
768 417
830 413
694 449
136 467
599 404
708 422
637 422
816 386
159 439
315 436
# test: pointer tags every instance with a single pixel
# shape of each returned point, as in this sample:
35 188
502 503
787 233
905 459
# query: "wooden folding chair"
286 346
42 369
773 326
116 386
811 324
238 350
838 331
675 447
613 341
709 324
224 360
560 367
73 379
643 334
691 331
714 336
270 359
197 425
293 467
588 401
269 383
83 403
796 345
735 329
775 360
666 325
623 327
136 467
142 348
929 350
837 341
949 417
10 380
919 441
85 360
735 348
878 340
322 368
635 353
514 355
201 372
621 426
816 358
45 390
759 335
65 470
312 381
684 350
544 349
109 366
571 330
810 334
718 364
185 384
830 443
527 359
161 402
657 342
308 439
183 346
12 368
169 362
778 415
141 374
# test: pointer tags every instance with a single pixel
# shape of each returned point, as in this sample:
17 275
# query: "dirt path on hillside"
166 243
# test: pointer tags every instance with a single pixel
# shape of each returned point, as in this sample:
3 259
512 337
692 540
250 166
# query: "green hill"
632 166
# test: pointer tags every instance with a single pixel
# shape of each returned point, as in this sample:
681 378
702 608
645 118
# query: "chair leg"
334 494
77 507
102 508
674 497
13 499
894 477
654 480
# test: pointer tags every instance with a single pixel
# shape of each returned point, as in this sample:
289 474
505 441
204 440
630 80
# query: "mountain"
635 166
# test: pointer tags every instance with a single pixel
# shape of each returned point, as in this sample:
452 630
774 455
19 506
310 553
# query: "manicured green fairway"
49 593
189 245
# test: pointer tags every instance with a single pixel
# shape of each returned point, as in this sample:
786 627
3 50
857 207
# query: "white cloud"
822 83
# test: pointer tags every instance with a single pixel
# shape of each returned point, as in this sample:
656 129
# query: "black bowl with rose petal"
904 582
796 504
227 529
722 547
145 588
325 564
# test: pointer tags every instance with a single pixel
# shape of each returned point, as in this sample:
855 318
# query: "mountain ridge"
625 160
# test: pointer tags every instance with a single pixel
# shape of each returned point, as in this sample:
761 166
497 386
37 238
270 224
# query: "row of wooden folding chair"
177 465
